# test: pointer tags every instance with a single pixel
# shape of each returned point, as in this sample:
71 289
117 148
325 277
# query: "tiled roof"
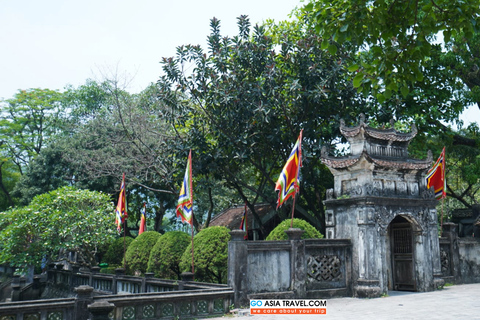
345 162
232 217
382 134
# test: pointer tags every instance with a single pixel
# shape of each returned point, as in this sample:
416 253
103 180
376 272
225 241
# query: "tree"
279 232
138 251
393 39
119 132
210 255
114 252
165 256
29 121
48 171
243 104
67 220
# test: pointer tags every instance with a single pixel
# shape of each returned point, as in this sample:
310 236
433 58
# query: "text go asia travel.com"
293 306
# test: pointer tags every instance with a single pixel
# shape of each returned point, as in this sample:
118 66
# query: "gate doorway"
403 264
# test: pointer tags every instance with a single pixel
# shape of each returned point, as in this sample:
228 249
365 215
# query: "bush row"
168 255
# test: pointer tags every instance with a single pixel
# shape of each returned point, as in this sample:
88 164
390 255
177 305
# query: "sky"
54 43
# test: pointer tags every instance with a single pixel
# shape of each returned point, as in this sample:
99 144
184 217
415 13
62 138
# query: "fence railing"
88 305
120 283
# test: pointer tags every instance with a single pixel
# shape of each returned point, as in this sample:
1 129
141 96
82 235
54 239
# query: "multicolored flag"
143 220
287 182
436 177
185 199
244 223
121 210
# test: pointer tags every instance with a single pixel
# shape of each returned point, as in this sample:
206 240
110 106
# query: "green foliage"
66 219
138 251
47 172
279 232
393 38
243 102
166 254
210 255
29 121
115 251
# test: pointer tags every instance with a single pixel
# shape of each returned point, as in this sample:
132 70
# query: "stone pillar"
119 273
15 295
146 278
450 232
83 299
186 277
100 309
237 267
297 260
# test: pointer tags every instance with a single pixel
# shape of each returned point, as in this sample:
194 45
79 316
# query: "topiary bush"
210 255
138 251
114 253
279 232
165 256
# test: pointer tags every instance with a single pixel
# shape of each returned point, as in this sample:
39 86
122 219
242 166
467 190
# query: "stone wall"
295 268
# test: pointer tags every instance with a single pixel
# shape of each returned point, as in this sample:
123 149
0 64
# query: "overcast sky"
52 43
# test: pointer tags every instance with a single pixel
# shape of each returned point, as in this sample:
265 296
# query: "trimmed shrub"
114 254
138 251
210 255
165 256
279 232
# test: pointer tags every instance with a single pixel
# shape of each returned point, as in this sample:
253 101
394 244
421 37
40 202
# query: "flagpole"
193 270
441 218
293 209
124 246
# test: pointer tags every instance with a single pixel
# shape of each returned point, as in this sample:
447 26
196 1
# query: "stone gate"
380 202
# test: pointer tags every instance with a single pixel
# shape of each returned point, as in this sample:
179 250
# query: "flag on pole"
121 210
244 223
436 177
287 182
143 220
185 200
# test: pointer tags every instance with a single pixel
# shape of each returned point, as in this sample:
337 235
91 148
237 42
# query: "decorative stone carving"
401 187
324 268
329 194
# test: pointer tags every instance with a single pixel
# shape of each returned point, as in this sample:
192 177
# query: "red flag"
287 182
121 210
143 220
436 177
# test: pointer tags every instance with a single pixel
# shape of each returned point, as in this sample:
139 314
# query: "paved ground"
454 302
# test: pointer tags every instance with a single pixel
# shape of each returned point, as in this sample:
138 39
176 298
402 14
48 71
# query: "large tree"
245 100
394 38
64 220
30 120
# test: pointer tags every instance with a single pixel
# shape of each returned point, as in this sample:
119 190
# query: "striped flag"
244 223
121 210
287 182
143 220
436 177
185 199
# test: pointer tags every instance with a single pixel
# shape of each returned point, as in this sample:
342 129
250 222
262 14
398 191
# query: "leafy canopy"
165 256
210 255
279 232
393 38
138 251
64 220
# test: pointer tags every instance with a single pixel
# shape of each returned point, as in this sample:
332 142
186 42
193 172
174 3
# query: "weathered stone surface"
378 188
